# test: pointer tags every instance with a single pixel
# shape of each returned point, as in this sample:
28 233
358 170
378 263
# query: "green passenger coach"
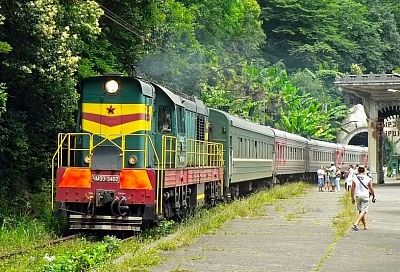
248 152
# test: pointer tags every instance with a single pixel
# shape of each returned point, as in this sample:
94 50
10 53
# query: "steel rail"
51 242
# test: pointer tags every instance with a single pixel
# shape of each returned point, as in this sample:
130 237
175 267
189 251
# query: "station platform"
297 235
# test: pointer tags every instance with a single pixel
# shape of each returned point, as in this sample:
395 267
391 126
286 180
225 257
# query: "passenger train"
142 153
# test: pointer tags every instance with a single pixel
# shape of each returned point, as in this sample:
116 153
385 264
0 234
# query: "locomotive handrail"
159 175
197 153
61 137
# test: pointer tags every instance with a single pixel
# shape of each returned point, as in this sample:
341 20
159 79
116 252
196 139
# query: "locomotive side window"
164 119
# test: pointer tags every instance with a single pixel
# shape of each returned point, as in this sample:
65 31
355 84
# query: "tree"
4 48
40 77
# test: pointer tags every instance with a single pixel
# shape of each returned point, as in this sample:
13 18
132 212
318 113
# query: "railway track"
42 245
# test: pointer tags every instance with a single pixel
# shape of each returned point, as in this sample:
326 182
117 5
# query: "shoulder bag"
364 185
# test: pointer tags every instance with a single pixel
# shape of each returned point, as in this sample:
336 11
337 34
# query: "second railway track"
42 245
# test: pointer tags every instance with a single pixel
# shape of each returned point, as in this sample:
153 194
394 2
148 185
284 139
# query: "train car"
140 154
249 150
351 155
324 154
320 154
290 156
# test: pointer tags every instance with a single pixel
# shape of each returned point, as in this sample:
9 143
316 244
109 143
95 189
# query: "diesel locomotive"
142 153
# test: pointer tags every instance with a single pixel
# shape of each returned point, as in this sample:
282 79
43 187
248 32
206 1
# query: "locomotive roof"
146 87
244 124
194 106
176 99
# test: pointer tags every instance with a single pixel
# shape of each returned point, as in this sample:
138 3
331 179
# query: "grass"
341 225
147 254
22 233
36 260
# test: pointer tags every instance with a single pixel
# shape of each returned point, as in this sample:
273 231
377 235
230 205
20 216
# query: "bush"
84 259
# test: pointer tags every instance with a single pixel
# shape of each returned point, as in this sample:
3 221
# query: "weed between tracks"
23 233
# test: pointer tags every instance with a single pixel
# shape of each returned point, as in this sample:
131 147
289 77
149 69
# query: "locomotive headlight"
87 159
133 159
111 86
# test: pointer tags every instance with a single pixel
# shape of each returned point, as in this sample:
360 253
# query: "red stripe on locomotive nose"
112 121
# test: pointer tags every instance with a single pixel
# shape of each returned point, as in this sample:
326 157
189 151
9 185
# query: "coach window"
264 150
240 147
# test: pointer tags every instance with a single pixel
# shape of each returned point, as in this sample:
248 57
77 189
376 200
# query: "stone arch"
353 133
386 111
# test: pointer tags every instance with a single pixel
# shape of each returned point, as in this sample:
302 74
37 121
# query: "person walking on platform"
321 178
332 176
337 179
326 177
360 192
349 178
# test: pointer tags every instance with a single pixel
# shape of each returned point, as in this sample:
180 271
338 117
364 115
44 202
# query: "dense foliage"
270 61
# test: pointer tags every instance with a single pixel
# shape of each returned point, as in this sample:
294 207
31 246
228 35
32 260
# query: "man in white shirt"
321 178
360 190
332 176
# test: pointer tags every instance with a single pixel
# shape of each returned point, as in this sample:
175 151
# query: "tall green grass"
16 234
23 226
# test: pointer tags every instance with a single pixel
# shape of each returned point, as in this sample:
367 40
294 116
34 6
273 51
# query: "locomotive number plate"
105 178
